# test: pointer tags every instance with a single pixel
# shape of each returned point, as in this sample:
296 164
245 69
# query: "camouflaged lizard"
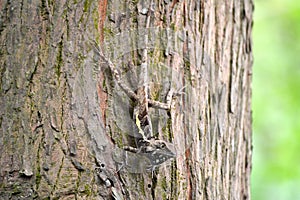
153 151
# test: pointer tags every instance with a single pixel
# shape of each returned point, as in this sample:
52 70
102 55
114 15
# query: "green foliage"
276 100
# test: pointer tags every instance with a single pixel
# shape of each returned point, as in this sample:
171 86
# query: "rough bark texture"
63 117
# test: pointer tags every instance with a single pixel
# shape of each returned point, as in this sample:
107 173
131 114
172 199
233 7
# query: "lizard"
155 150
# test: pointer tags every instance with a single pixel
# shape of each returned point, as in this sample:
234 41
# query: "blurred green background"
276 100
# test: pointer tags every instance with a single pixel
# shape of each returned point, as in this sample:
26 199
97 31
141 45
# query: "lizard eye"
162 145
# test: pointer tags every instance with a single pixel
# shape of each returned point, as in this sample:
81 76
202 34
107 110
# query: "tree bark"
65 120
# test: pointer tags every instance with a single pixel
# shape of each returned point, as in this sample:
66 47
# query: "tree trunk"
65 120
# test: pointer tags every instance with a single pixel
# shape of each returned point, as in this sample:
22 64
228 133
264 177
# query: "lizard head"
158 151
